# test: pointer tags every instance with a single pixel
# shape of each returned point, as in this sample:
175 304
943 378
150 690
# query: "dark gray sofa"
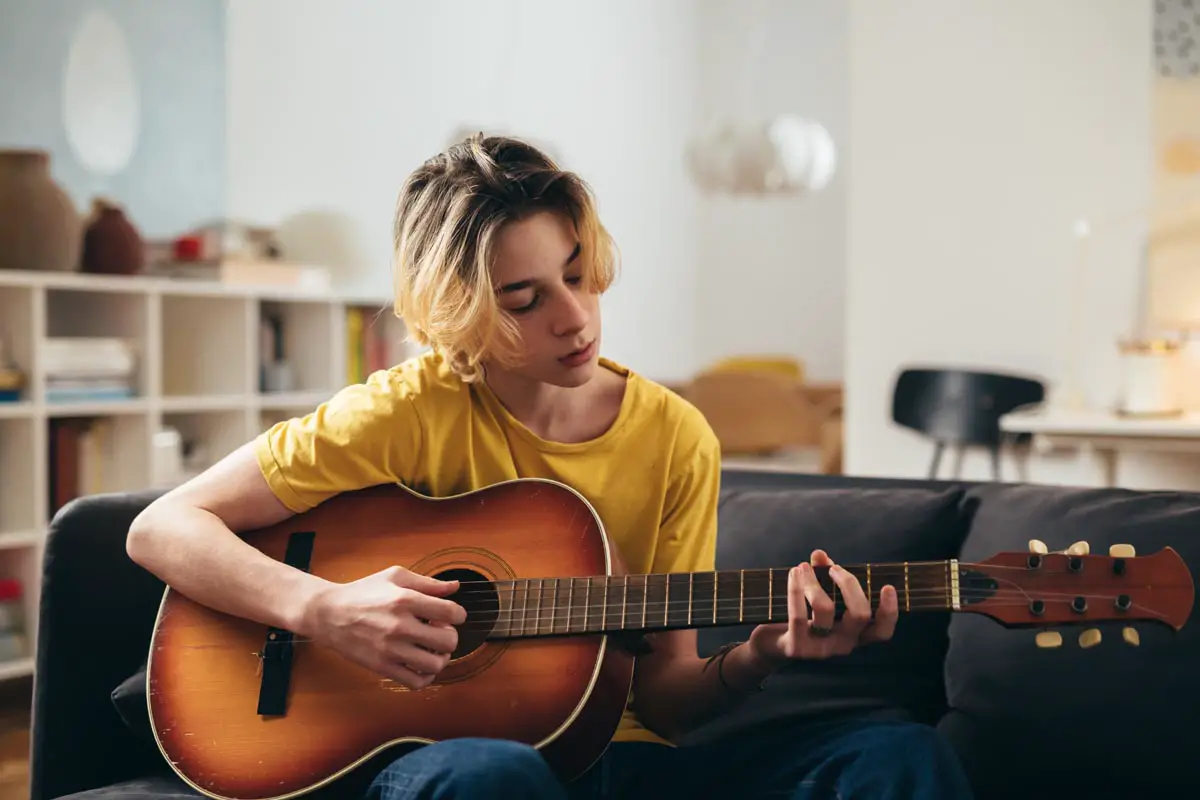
1108 721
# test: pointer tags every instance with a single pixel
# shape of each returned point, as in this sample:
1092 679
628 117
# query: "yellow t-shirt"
653 476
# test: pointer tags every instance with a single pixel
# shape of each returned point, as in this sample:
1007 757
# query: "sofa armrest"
96 615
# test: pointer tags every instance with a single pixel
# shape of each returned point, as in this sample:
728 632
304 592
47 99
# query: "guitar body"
564 696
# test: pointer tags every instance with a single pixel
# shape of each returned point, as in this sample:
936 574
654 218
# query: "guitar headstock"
1040 589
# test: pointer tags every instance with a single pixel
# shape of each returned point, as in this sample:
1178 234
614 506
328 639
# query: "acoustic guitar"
242 711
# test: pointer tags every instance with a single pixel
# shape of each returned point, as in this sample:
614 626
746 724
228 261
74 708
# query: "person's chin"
573 374
569 377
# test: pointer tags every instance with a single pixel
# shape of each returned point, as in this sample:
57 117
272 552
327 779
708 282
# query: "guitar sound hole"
477 594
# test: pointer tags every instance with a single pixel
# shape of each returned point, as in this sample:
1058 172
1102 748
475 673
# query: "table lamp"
1172 306
1158 369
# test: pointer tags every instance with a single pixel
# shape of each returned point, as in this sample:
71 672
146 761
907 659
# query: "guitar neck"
656 602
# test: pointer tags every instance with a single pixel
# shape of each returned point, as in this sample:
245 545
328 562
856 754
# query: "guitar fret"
524 605
906 594
537 610
604 608
567 605
587 601
570 597
689 622
554 605
645 597
667 602
624 599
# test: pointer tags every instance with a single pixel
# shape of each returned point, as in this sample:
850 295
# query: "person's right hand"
395 622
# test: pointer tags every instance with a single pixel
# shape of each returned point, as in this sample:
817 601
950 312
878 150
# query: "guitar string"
657 579
657 610
756 605
859 570
526 632
561 595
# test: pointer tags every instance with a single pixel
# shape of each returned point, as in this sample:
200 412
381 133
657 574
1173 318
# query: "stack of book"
84 369
81 459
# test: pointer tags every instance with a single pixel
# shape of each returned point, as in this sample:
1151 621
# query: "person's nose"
571 315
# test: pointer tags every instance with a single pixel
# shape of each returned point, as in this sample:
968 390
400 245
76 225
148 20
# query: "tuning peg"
1089 638
1130 635
1037 546
1122 551
1078 549
1048 639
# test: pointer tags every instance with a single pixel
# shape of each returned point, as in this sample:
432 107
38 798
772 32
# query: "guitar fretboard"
656 602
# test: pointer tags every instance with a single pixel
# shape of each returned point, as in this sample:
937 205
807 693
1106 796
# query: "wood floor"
15 697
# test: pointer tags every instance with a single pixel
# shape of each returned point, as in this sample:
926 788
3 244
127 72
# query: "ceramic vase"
40 228
111 243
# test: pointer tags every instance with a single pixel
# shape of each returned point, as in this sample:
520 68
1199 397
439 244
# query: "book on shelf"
81 369
236 272
370 346
81 458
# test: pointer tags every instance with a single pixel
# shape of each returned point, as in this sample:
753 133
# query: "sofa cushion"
780 528
1110 720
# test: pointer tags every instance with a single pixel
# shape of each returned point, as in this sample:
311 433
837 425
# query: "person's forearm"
196 554
687 692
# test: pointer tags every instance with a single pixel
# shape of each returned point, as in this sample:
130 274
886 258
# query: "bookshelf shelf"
206 367
97 408
16 668
14 539
189 403
16 410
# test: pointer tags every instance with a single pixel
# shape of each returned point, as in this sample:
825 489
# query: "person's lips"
580 356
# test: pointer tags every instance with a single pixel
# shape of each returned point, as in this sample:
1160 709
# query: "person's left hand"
774 644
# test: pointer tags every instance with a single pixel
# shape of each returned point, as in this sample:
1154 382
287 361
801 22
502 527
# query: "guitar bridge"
275 660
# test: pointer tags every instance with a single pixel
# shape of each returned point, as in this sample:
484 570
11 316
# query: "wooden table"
1105 434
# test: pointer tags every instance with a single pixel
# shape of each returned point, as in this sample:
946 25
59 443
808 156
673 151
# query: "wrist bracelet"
719 657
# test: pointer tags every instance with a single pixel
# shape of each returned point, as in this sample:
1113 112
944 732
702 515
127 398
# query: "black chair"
962 408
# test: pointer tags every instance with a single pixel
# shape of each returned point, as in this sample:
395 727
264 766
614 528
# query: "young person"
501 260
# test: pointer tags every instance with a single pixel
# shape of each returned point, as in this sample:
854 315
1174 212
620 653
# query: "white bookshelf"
197 347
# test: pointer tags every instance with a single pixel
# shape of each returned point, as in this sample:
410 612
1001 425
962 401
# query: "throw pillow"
780 528
129 699
1109 720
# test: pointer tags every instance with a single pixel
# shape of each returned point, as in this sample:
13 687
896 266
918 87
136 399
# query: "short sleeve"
687 537
365 435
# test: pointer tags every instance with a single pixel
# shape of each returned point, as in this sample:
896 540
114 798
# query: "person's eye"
532 304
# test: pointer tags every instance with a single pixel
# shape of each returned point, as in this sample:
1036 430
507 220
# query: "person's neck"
557 413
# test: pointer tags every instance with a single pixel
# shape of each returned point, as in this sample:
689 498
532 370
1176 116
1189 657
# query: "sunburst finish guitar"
244 712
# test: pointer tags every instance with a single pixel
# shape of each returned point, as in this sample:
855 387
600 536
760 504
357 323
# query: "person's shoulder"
673 416
411 384
422 375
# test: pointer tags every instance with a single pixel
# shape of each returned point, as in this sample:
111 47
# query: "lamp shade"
785 154
1173 273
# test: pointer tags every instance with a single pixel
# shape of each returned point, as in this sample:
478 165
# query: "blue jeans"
847 761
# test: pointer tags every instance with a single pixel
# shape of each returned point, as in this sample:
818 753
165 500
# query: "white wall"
772 271
979 132
329 109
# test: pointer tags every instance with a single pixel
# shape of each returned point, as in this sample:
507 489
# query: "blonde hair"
448 214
